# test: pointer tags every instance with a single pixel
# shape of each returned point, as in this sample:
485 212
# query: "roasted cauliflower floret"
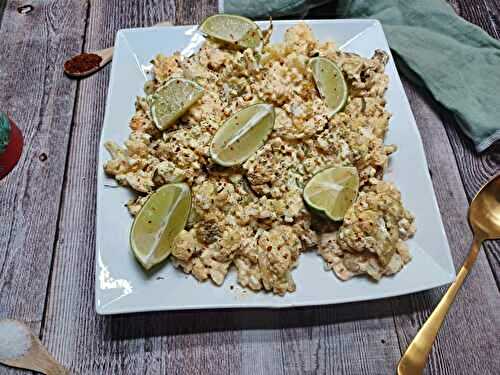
370 240
269 266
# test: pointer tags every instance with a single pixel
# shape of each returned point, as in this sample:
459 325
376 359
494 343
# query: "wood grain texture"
192 12
292 341
360 338
476 169
139 344
34 93
330 340
469 323
483 13
3 3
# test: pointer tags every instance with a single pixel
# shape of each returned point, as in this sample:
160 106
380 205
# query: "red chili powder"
82 63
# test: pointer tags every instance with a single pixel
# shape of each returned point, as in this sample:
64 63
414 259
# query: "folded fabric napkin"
456 61
266 8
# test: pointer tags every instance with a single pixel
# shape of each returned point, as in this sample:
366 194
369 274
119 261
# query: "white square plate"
123 287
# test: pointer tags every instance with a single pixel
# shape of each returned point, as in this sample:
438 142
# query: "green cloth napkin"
456 61
266 8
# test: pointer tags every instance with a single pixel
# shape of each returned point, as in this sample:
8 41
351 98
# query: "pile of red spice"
82 63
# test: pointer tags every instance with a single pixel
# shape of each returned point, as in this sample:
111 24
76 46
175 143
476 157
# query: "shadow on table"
202 321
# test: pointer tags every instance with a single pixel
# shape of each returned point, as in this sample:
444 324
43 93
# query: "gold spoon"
26 351
91 62
484 218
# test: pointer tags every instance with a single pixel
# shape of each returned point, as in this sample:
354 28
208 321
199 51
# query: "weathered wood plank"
83 342
32 90
467 332
346 339
145 343
3 3
476 169
293 341
189 12
329 340
484 13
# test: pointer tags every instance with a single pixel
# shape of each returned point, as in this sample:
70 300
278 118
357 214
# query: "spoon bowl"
484 211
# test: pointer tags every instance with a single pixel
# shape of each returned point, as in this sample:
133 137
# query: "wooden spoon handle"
106 55
48 364
414 359
44 365
56 370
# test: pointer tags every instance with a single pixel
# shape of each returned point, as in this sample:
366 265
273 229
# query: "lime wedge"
160 220
242 134
330 82
172 100
332 191
237 30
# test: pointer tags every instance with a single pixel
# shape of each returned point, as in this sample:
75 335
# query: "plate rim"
110 310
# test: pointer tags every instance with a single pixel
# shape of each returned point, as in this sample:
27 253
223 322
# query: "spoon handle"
106 55
55 370
415 358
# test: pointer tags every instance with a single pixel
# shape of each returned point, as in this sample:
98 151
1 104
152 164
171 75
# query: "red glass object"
11 155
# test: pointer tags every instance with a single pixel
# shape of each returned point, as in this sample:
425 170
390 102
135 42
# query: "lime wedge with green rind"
236 30
160 220
172 100
332 191
242 134
330 82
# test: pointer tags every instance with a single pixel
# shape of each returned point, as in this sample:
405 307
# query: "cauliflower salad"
252 218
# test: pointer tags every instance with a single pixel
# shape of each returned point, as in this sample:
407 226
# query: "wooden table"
47 220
